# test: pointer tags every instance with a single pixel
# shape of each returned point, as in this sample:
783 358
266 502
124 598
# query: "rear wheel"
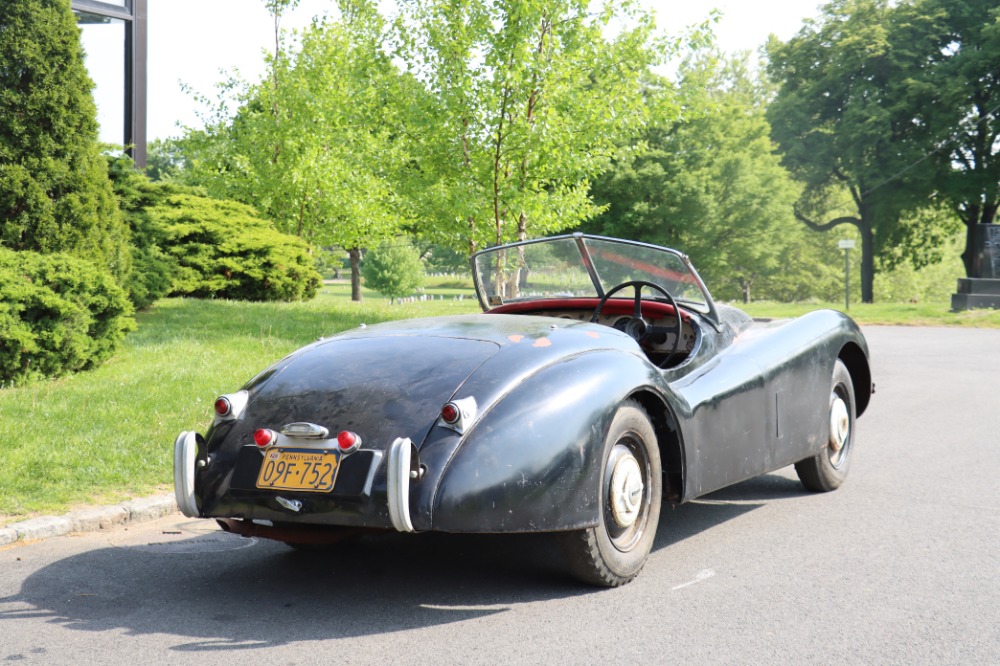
613 552
827 470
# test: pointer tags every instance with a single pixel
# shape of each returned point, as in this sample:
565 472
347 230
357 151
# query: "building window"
113 34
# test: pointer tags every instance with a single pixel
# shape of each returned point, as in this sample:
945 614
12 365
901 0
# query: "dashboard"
661 341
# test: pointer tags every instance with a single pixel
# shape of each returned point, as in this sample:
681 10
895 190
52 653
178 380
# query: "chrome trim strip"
398 485
185 450
370 481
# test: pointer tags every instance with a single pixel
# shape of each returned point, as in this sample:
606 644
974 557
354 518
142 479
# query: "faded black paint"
750 398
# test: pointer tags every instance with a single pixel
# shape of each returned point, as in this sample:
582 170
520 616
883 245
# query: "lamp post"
846 246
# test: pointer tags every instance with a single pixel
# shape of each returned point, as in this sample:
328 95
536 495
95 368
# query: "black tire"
827 470
613 552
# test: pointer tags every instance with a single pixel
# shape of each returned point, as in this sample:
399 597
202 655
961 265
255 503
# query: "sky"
195 42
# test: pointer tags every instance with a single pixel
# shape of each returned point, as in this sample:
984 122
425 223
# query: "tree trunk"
969 256
355 254
865 227
514 283
970 216
867 261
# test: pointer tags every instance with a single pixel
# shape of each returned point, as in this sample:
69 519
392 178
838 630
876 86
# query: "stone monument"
983 290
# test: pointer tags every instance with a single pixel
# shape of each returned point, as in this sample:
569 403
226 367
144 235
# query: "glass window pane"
103 42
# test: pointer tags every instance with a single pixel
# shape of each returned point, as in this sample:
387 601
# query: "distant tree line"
461 125
474 123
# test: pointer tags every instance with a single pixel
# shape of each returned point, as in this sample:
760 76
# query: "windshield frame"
489 302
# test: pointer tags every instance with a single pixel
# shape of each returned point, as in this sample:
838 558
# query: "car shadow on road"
217 591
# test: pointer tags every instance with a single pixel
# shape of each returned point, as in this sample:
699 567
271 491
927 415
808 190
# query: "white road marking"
704 574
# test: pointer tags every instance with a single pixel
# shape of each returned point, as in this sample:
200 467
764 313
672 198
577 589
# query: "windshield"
580 266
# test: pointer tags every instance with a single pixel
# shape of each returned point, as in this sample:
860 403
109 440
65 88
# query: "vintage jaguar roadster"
601 380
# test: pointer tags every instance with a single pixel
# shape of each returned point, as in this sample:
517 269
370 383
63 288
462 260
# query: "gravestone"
983 290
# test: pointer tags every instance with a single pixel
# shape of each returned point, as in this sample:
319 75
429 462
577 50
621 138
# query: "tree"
54 190
710 183
313 146
393 269
840 124
525 102
164 159
955 101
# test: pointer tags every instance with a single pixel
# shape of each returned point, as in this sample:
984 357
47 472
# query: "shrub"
54 189
223 250
393 269
152 268
58 314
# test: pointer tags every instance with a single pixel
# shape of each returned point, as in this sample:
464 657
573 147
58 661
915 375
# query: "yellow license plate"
295 469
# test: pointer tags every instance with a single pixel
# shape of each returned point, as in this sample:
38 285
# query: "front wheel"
827 470
613 552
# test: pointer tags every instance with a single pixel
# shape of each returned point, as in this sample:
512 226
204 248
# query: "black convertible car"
601 380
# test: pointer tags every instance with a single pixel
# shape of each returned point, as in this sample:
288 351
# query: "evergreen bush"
54 190
152 268
223 250
59 314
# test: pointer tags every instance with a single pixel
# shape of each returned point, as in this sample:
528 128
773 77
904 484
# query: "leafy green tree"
312 147
709 183
843 126
164 159
525 102
954 99
393 269
54 189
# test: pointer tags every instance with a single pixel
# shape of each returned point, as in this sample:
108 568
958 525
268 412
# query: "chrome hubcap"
840 424
626 490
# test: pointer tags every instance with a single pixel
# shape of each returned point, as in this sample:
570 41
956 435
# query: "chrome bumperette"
398 486
185 452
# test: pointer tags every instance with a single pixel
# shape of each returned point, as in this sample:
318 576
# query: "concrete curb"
89 520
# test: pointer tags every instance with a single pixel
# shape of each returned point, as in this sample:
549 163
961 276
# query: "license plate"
297 469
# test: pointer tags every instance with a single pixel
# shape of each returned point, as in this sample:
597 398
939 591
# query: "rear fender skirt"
185 452
532 462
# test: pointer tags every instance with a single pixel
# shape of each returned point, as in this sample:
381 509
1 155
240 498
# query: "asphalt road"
899 566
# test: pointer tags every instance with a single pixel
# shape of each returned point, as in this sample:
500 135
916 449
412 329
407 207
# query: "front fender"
533 462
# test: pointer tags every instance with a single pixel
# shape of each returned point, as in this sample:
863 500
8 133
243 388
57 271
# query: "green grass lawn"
887 314
108 434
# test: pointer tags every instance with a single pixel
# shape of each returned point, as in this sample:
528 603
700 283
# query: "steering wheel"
637 327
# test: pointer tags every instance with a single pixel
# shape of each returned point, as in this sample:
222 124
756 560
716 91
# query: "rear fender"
532 463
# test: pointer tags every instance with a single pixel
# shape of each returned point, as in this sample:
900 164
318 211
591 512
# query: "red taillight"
223 406
263 437
348 441
450 413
